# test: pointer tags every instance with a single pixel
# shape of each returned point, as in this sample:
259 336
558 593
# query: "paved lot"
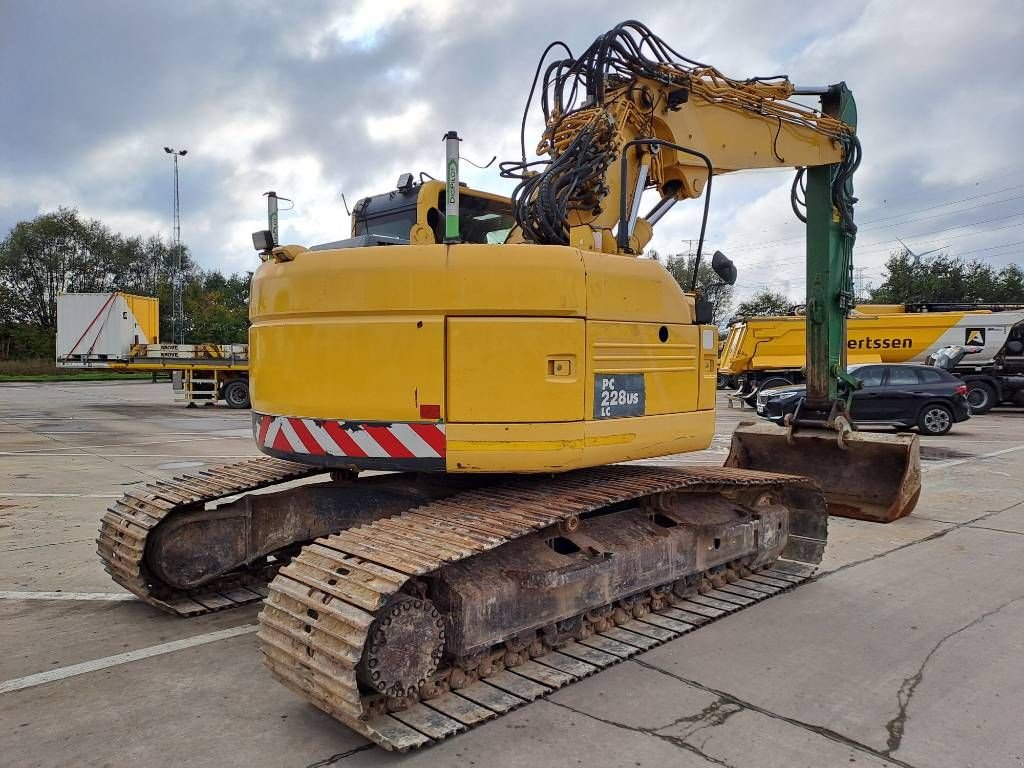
905 651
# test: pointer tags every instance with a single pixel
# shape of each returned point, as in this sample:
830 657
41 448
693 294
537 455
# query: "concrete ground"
904 652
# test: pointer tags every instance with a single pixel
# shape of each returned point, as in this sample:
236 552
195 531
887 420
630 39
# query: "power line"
776 263
758 271
948 237
953 202
939 205
746 247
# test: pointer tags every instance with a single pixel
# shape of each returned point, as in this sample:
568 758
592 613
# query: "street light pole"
178 287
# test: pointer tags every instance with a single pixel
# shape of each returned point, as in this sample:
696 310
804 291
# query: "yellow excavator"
469 382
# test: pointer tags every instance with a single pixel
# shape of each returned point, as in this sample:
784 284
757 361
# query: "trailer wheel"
236 394
981 396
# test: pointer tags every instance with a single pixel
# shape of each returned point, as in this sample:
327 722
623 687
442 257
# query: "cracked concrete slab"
813 677
747 739
852 541
836 652
1012 520
635 697
643 699
543 734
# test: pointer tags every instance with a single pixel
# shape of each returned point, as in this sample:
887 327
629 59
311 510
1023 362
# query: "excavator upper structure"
466 385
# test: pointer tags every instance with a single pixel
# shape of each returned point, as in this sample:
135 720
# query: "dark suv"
902 396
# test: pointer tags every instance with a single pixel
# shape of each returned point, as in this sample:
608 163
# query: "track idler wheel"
404 647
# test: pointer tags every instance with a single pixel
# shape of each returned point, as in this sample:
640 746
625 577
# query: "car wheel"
236 394
980 396
724 381
935 419
1018 398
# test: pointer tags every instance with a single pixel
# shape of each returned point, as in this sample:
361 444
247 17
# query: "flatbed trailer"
120 332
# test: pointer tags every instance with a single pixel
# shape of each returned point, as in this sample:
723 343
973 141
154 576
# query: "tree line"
907 279
61 252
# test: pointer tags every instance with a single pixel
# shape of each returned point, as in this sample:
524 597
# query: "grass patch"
90 376
41 369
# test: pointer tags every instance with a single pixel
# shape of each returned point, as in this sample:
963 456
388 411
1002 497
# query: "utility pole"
178 284
858 281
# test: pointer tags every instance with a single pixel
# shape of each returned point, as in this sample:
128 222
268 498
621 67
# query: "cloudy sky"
315 99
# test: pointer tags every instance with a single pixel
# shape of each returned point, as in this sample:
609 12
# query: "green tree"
1011 285
217 308
709 285
765 304
61 252
944 278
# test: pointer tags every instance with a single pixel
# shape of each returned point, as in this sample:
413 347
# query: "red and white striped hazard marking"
327 437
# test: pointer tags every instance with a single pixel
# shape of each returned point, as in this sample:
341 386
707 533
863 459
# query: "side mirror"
724 268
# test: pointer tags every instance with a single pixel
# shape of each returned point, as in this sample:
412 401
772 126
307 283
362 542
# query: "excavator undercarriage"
412 628
419 608
183 545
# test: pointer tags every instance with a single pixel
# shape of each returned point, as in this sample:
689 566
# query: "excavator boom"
652 119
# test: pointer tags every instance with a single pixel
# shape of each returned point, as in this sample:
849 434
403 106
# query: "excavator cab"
413 213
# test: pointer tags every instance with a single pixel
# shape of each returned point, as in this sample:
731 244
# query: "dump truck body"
770 351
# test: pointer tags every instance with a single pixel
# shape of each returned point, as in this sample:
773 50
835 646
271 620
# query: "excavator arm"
631 114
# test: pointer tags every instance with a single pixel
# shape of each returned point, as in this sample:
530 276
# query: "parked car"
902 396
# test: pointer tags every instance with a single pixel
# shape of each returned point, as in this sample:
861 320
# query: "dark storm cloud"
292 97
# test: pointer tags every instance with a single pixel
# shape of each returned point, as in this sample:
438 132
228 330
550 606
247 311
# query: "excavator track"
129 521
326 609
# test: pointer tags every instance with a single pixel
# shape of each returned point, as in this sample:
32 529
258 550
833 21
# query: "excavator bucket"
872 477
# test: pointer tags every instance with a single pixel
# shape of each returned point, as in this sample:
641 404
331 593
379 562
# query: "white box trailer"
96 329
121 331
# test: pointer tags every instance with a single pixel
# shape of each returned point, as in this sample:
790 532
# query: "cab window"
480 220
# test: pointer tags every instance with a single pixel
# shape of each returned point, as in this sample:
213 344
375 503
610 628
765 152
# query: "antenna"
178 285
272 198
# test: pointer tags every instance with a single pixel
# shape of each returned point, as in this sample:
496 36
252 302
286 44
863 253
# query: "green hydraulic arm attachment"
869 476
